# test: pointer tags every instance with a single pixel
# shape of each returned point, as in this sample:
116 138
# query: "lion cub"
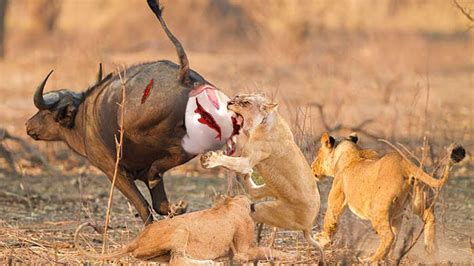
197 237
271 149
375 188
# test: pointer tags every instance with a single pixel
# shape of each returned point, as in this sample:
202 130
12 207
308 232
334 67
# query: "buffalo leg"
158 196
381 224
131 192
156 183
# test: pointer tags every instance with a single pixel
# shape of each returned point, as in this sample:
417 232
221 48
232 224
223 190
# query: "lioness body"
202 235
287 176
270 149
362 182
375 188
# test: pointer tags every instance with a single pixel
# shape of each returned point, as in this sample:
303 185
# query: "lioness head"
323 165
239 200
251 109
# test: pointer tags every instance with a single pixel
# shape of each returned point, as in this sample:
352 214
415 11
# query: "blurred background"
395 69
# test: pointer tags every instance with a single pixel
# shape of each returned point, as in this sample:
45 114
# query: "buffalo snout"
32 134
42 127
32 130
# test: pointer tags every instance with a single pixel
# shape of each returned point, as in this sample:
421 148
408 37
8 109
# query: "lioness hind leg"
384 230
336 206
151 246
396 224
429 231
244 251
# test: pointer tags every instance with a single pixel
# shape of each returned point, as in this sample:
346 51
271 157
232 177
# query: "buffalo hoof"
178 208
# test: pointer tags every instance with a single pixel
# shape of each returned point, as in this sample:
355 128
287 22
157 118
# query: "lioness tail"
313 242
114 255
457 153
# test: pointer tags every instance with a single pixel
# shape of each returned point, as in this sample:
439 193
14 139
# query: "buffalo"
158 95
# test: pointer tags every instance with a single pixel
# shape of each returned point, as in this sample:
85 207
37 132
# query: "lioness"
271 149
196 238
375 188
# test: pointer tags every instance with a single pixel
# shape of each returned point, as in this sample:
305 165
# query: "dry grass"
404 69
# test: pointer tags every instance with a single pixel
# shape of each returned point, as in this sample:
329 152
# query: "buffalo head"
56 110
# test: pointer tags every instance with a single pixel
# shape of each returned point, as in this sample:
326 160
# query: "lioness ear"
353 137
269 107
327 141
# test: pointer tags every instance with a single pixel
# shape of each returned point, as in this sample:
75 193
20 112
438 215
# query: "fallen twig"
464 11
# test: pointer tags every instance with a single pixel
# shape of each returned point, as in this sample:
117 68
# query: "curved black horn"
38 98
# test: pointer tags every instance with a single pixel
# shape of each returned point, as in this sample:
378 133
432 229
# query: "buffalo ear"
99 73
353 137
327 140
269 107
65 116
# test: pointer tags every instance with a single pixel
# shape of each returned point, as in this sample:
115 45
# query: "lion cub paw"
210 159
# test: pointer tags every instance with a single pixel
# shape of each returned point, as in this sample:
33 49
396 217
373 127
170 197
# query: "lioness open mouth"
207 119
237 123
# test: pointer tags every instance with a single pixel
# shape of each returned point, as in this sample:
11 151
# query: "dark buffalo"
155 103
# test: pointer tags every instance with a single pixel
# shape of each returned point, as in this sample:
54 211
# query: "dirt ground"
398 85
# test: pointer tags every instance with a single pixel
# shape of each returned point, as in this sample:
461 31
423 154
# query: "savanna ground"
399 70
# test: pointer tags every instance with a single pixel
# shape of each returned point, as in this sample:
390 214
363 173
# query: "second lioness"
271 149
376 188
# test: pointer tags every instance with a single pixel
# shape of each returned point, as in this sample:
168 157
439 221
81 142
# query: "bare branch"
464 11
394 147
412 155
338 126
118 156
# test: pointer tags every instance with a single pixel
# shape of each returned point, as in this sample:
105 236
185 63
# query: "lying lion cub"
271 149
195 237
375 188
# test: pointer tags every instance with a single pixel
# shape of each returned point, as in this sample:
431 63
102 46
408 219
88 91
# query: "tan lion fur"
375 188
196 238
270 149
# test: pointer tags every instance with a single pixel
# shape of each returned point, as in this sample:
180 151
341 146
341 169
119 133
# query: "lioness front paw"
209 159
